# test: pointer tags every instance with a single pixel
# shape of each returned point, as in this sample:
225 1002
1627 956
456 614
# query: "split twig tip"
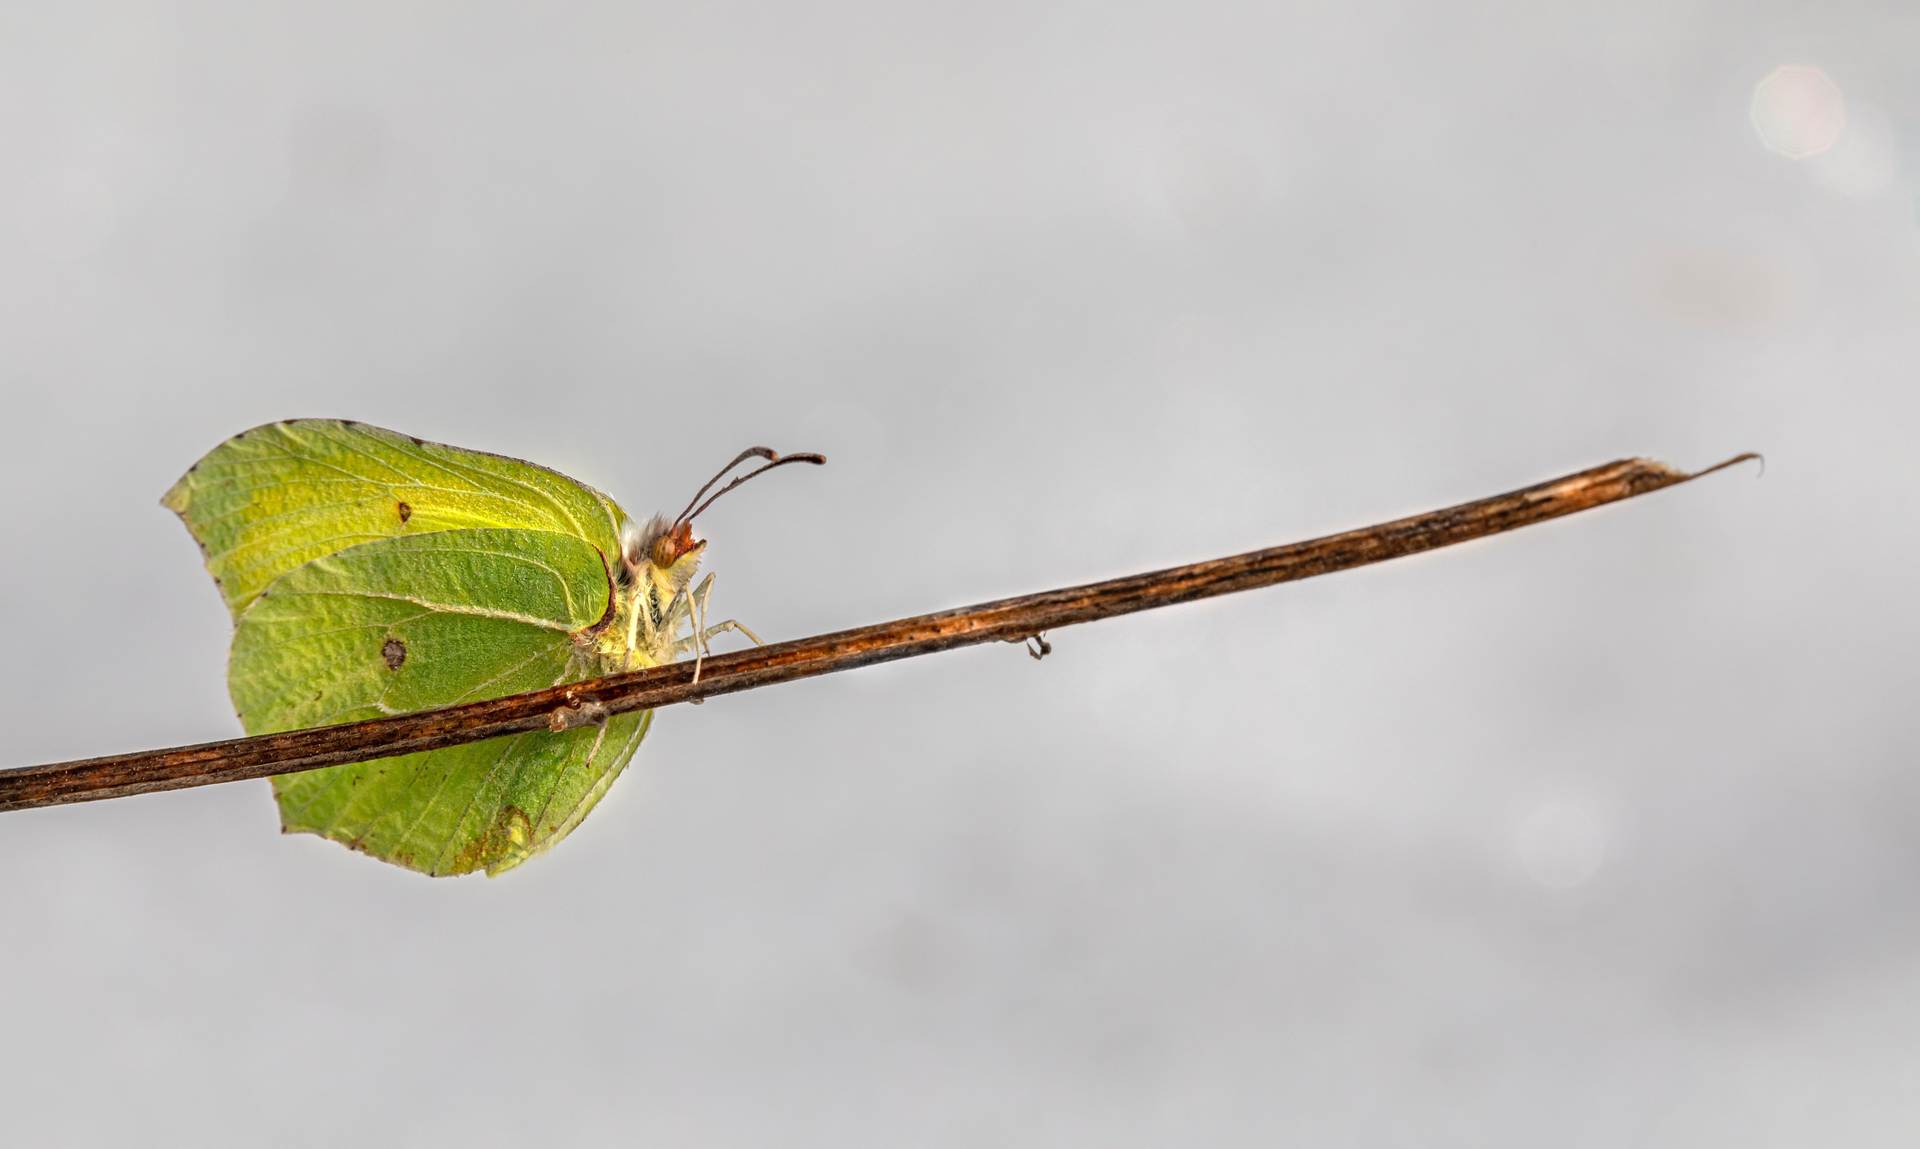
1742 457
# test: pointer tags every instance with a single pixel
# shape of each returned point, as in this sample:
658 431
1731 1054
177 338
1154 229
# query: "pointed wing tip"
179 496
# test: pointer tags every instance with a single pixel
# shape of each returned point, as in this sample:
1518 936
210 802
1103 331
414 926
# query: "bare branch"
1010 620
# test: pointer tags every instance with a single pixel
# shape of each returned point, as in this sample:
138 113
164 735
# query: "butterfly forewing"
270 499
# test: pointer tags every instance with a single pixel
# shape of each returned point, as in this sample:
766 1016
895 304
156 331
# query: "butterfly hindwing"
421 621
484 806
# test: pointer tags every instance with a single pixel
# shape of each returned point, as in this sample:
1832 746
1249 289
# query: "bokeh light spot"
1562 841
1798 111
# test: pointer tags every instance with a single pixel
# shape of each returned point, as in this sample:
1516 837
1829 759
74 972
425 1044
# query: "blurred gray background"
1604 833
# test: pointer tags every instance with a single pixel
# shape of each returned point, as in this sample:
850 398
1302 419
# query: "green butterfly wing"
490 583
412 623
269 499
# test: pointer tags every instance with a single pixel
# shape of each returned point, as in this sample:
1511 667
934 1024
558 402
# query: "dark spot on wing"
405 511
417 440
395 653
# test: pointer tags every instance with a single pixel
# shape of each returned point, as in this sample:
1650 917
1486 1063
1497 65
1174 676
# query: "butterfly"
372 573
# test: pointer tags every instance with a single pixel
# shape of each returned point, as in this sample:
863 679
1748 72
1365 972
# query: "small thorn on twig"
1037 646
575 713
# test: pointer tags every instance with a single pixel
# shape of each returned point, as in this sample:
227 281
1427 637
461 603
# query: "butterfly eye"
674 545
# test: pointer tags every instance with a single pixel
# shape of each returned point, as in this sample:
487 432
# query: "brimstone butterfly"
370 573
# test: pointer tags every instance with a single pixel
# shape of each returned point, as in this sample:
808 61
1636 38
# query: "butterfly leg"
702 595
697 602
700 639
636 617
703 634
734 625
693 602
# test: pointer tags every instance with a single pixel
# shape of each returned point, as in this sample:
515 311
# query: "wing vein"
446 608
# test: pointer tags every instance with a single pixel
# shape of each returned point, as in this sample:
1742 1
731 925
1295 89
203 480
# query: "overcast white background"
1606 833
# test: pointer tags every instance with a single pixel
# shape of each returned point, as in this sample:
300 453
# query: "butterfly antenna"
749 453
774 459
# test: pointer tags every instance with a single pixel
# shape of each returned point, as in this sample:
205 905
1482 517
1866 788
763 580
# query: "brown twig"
1010 620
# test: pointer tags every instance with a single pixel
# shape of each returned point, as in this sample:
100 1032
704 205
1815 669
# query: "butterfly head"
661 553
664 555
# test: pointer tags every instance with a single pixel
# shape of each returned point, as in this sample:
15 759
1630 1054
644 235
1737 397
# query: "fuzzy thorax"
654 591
